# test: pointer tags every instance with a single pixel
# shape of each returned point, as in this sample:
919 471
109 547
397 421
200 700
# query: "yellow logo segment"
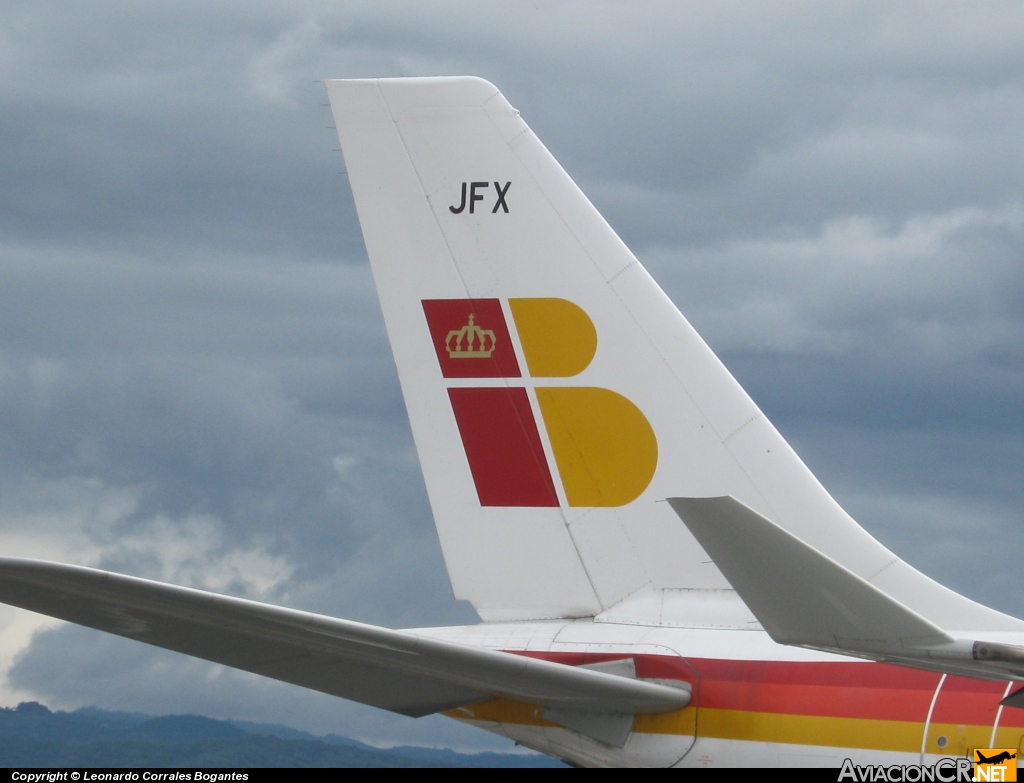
604 446
558 337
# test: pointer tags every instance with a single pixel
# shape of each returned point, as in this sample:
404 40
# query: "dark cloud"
195 382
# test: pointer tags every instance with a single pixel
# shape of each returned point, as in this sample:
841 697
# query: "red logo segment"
504 450
471 338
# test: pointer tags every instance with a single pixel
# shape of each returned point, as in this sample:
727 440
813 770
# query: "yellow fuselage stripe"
871 734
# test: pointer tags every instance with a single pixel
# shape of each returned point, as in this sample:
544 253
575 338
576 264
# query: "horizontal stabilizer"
395 670
802 597
798 594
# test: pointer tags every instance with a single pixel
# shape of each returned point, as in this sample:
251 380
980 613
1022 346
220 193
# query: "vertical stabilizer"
555 393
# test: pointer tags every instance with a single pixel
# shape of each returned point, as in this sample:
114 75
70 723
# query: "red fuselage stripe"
835 689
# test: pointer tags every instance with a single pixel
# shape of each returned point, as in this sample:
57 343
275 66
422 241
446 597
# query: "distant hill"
33 735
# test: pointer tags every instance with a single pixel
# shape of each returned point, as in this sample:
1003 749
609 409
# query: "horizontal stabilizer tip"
1015 699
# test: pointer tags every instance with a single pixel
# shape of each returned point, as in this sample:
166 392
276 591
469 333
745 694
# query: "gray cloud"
194 376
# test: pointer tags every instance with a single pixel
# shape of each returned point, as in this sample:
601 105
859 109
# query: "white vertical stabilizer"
555 392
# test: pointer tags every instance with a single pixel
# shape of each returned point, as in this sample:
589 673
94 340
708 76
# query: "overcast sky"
195 382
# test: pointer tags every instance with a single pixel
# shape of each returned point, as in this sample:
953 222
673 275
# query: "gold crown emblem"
460 342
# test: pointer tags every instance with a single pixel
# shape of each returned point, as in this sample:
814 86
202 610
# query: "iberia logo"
604 447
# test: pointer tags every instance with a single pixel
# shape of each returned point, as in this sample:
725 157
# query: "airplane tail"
555 393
